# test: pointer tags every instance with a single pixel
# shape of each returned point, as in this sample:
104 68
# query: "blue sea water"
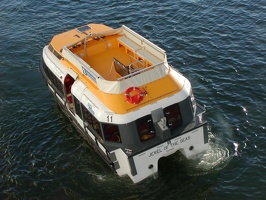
219 45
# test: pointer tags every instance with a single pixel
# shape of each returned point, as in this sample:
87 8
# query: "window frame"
90 121
114 135
58 85
170 116
145 127
77 106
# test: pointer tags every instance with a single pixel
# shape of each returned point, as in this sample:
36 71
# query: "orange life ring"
134 95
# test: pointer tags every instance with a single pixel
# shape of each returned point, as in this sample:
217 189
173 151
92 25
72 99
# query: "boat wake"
214 159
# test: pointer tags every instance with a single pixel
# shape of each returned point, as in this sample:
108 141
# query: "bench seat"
138 50
129 43
148 56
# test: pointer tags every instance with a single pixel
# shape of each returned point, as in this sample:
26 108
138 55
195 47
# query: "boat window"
111 133
90 121
50 47
145 128
84 28
58 55
173 116
77 107
54 80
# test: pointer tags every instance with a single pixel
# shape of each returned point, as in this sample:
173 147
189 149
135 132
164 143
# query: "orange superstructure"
98 46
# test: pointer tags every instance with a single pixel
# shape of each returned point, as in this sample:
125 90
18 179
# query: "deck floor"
103 62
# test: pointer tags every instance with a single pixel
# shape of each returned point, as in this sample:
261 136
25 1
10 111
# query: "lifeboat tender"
122 95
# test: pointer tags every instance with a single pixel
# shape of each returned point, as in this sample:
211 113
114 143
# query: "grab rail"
139 71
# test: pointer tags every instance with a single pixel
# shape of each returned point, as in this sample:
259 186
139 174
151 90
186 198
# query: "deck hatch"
84 28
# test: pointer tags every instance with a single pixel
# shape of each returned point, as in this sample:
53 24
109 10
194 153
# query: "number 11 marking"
109 118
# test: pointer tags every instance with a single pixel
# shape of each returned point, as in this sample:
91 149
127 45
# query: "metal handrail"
138 72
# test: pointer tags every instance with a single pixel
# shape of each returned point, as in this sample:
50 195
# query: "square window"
111 133
145 128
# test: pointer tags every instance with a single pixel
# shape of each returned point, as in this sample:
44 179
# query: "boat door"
68 82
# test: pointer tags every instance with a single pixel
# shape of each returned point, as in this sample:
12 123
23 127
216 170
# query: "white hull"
146 163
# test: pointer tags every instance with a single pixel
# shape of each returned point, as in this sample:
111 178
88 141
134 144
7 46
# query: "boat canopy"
143 77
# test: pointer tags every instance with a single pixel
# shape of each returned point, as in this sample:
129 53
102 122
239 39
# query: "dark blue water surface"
219 45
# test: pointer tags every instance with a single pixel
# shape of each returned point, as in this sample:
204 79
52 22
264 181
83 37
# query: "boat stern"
142 165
